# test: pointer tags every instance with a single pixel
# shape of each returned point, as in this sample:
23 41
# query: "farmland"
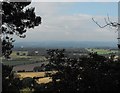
22 75
42 76
31 68
31 56
23 58
103 51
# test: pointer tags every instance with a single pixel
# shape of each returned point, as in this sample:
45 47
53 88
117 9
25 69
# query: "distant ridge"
67 44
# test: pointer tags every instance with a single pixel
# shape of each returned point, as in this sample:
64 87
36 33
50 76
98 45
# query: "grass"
26 90
102 51
14 54
23 59
13 63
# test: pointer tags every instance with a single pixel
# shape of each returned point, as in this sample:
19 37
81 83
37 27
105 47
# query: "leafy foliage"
93 73
16 20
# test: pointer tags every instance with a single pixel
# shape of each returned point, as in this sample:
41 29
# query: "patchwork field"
23 58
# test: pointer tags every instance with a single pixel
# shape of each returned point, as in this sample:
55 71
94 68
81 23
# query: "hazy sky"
70 21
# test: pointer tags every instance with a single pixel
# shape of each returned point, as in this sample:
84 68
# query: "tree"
15 21
17 53
93 73
7 80
110 24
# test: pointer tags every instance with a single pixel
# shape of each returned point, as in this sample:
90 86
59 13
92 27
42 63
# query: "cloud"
63 27
71 28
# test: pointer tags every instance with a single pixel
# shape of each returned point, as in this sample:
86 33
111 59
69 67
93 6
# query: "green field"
103 51
23 59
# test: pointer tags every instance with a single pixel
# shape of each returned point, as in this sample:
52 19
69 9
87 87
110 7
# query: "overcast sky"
70 21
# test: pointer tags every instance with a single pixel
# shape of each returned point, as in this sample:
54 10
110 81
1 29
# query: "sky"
72 21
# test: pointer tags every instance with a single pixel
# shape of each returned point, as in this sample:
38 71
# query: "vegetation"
92 73
16 20
103 51
23 59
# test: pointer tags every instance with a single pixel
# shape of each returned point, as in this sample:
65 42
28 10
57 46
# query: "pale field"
22 75
14 54
41 80
44 80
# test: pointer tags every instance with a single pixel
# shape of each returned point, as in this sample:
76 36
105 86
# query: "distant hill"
67 44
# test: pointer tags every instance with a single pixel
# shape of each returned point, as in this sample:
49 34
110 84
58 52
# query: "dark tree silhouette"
93 73
15 21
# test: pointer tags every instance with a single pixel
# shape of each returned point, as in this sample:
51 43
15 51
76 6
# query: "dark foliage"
16 20
94 73
7 81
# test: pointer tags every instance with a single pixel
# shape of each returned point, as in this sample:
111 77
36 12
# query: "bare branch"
105 21
108 23
100 25
109 19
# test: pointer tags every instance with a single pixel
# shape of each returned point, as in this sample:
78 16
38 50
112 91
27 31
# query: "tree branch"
99 24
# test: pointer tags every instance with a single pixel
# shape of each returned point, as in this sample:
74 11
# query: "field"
42 76
44 80
22 75
103 51
23 58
